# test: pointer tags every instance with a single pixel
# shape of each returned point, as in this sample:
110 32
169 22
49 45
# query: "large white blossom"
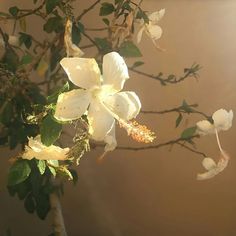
35 149
99 94
152 29
222 120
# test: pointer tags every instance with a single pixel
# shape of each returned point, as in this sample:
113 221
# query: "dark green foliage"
178 120
129 49
51 5
50 130
54 24
106 9
25 39
188 133
103 44
137 63
13 10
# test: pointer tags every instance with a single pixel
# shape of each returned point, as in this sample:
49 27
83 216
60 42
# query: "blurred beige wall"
155 192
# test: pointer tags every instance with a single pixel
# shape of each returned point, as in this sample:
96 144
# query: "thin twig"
85 11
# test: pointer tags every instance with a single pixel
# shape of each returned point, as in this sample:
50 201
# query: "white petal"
35 143
115 71
100 121
140 34
156 16
154 31
208 163
72 105
204 127
110 140
124 104
222 119
83 72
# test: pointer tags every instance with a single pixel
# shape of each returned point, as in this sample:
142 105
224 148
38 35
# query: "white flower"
152 29
100 94
212 168
222 121
35 149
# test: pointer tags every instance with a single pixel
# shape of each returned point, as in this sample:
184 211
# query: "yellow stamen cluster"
139 133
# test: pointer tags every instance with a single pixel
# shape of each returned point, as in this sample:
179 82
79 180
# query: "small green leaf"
41 166
142 15
51 4
106 9
18 172
106 21
13 10
178 120
186 107
7 113
76 37
29 204
103 44
54 24
50 130
189 132
129 49
53 97
137 63
26 59
25 39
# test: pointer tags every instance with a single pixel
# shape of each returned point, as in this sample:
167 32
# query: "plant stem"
56 211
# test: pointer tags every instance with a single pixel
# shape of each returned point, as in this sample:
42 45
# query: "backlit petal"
100 121
204 127
72 105
115 71
83 72
154 31
156 16
110 140
126 105
222 119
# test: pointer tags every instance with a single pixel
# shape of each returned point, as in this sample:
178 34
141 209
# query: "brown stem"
56 211
85 11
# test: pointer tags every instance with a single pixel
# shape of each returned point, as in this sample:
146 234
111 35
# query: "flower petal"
100 121
126 105
140 34
208 163
115 71
83 72
72 105
204 127
110 140
222 119
156 16
154 31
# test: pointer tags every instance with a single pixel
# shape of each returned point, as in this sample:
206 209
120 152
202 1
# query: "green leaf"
117 1
186 107
142 15
42 205
26 59
189 132
41 166
129 49
103 44
13 10
18 172
7 113
137 63
106 9
51 4
106 21
25 39
22 22
29 204
54 24
11 59
53 97
50 130
178 120
76 37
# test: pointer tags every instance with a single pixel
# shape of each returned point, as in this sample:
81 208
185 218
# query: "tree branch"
85 11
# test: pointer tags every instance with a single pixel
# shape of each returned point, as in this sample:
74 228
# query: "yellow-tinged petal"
72 105
126 105
36 149
115 71
154 31
204 127
83 72
222 119
100 121
156 16
140 34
